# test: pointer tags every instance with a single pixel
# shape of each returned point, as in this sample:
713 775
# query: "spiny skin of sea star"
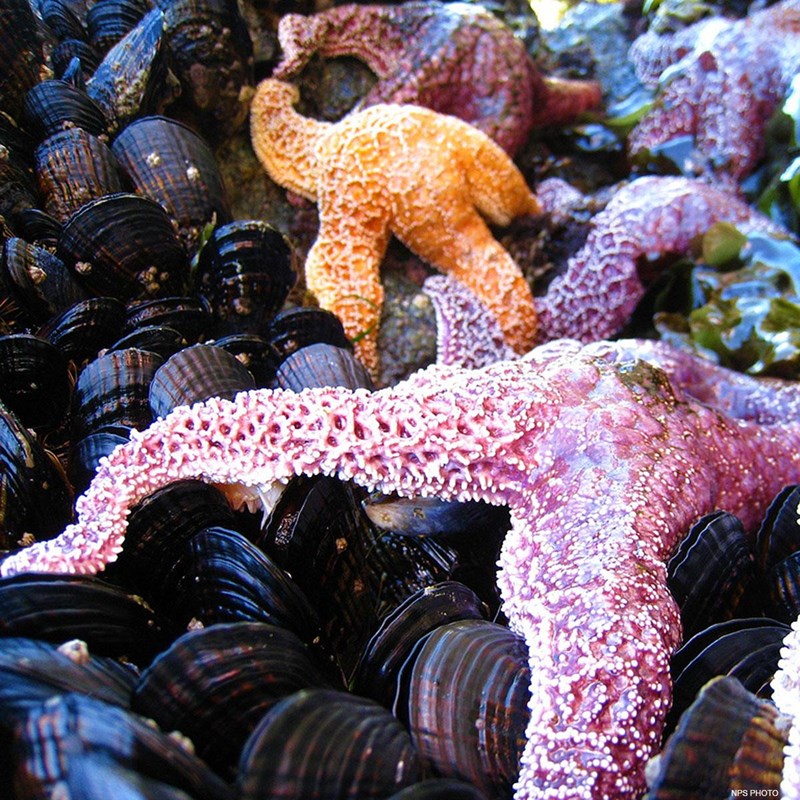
428 178
603 469
454 58
723 79
786 696
658 215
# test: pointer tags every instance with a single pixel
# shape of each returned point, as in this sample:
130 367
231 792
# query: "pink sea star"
603 465
455 58
722 81
654 215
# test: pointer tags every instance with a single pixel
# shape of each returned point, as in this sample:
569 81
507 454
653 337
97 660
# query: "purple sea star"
455 58
602 464
722 80
654 215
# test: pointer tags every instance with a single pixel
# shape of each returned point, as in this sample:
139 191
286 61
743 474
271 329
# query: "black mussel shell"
85 454
107 21
322 364
32 670
321 744
189 315
63 17
710 571
36 500
23 55
132 79
170 163
439 789
197 373
63 730
222 577
34 380
466 702
17 185
403 629
53 105
782 583
73 167
113 390
255 352
215 684
56 608
159 339
298 327
123 245
747 649
159 528
245 271
728 739
779 534
85 328
212 55
37 226
352 574
40 279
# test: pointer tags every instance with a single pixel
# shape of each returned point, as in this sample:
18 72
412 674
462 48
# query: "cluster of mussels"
303 652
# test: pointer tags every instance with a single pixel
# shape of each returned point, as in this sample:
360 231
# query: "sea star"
602 464
405 170
455 58
652 216
722 80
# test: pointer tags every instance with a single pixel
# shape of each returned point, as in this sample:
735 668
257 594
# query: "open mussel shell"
170 163
159 339
73 167
216 683
184 313
66 729
222 577
245 271
123 245
747 649
40 280
85 328
728 740
710 571
132 78
322 744
403 629
779 534
197 373
466 701
63 55
113 390
36 498
212 54
53 105
34 380
159 528
319 365
32 670
298 327
57 608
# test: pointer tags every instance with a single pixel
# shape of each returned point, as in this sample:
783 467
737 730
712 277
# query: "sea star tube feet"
600 287
455 58
428 178
602 466
722 80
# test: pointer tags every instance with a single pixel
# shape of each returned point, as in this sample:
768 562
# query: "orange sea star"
428 178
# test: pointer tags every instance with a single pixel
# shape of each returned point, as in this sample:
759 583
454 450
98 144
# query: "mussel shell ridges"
323 744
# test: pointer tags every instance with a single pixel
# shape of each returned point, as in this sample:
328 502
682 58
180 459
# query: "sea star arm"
600 287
